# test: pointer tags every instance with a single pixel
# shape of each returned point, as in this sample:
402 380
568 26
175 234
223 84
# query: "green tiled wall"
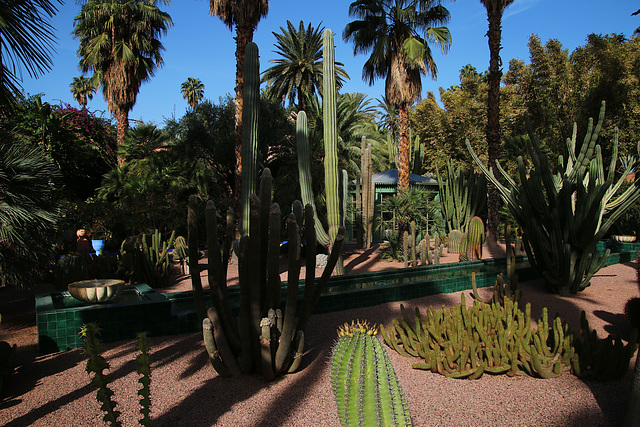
170 314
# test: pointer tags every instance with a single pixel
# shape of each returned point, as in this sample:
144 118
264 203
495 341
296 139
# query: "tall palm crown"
244 15
298 73
398 33
193 91
119 43
26 41
82 90
495 8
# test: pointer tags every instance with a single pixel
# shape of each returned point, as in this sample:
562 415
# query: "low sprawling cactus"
363 381
465 342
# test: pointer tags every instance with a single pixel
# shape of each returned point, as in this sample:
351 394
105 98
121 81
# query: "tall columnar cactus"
264 338
475 238
368 192
250 114
462 196
363 381
564 213
335 212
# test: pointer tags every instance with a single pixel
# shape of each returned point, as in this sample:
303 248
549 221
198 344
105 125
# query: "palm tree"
119 43
29 210
398 34
244 15
26 41
82 90
298 73
192 91
494 14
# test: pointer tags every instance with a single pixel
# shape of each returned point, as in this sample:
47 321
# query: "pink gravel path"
54 389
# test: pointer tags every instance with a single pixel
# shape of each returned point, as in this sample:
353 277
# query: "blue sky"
200 46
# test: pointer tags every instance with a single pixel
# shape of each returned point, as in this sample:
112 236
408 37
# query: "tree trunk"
403 147
493 120
122 121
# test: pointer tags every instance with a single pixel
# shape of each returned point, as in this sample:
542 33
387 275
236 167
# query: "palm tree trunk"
403 147
493 120
122 121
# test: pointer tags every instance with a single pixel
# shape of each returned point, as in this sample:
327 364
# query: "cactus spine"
363 381
263 338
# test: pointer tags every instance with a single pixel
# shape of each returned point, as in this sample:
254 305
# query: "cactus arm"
212 349
250 114
265 347
196 284
255 276
217 284
288 328
244 320
304 172
273 264
225 351
299 351
330 134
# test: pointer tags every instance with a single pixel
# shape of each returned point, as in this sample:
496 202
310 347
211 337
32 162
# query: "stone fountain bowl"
96 290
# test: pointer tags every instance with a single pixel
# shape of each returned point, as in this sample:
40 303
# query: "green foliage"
466 342
392 248
97 364
29 211
28 41
363 381
193 91
562 210
264 338
81 144
297 73
415 204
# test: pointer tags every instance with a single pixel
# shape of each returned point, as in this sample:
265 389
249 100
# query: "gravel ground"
54 389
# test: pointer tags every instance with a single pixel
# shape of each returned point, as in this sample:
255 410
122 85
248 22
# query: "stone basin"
96 290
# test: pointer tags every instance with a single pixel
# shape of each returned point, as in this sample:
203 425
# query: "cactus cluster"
336 207
501 291
264 338
462 195
145 258
603 359
561 208
466 342
363 381
455 240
